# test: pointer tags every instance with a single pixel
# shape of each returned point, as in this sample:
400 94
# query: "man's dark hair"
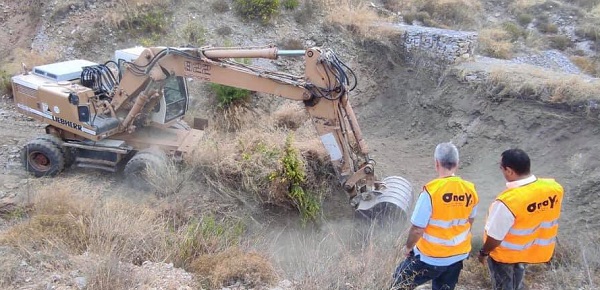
517 160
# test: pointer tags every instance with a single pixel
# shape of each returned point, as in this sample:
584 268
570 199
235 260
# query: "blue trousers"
412 273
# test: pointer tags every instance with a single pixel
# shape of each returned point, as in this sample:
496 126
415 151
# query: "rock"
285 284
80 282
11 185
471 78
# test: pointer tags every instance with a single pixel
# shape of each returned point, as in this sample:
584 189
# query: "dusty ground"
403 112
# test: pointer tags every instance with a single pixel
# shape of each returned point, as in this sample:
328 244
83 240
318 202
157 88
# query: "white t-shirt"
500 219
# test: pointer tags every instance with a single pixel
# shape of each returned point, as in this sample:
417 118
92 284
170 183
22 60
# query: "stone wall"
440 47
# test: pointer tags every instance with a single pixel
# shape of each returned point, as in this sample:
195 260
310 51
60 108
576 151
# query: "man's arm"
420 219
499 222
414 234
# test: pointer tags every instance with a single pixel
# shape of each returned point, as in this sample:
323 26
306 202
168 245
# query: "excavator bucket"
395 195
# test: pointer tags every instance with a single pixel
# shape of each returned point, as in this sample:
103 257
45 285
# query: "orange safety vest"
448 232
536 207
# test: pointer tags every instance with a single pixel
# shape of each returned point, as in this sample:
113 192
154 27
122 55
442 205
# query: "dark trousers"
412 272
506 276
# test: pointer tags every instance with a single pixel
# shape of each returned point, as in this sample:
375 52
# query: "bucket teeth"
395 191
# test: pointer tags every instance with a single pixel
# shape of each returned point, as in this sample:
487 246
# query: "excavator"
129 111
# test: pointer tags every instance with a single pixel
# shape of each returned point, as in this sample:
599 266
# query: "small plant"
224 30
495 43
220 6
261 10
524 19
292 175
409 18
560 42
546 27
290 4
306 13
194 33
229 96
5 84
587 65
514 30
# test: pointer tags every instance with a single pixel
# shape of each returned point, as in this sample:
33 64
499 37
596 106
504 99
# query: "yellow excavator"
129 111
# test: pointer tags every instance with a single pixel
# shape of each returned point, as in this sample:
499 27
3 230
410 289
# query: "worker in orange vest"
522 222
440 236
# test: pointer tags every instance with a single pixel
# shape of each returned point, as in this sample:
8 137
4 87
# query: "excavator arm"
323 89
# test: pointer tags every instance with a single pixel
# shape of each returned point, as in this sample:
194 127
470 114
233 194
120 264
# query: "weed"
291 43
5 83
232 266
261 10
546 27
220 6
224 30
444 14
514 30
524 18
292 176
589 31
588 65
306 13
290 4
194 33
560 42
229 96
107 275
409 18
356 17
495 43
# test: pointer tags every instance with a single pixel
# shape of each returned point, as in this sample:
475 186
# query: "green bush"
290 4
229 96
524 19
5 84
514 30
560 42
261 10
293 174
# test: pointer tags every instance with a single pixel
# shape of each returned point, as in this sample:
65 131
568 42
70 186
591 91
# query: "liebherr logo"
458 198
65 122
544 205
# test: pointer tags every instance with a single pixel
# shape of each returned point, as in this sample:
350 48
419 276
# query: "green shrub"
524 19
560 42
148 21
293 175
261 10
409 18
290 4
547 27
514 30
194 33
229 96
5 83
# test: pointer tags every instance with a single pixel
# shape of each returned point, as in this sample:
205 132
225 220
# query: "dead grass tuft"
496 43
31 58
232 266
107 275
290 116
456 14
588 65
530 82
356 17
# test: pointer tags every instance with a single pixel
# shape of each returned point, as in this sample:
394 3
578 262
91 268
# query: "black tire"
42 158
136 168
68 152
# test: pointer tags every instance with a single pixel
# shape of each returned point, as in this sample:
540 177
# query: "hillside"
217 224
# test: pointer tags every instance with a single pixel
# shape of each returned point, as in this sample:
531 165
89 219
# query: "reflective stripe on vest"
532 237
457 240
524 232
448 231
538 242
448 224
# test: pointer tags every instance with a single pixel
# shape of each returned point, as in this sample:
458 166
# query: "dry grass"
30 58
529 82
356 17
233 265
458 14
588 65
495 42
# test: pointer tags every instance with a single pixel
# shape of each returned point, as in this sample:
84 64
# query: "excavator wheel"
42 158
136 169
66 151
392 202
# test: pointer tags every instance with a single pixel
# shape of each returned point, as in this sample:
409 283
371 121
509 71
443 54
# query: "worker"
522 222
440 236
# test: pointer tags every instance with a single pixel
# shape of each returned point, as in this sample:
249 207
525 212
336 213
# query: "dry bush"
232 266
443 13
107 275
530 82
560 42
495 42
31 58
356 17
588 65
290 116
522 5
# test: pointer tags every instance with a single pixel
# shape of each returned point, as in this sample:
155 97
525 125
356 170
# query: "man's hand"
482 257
406 251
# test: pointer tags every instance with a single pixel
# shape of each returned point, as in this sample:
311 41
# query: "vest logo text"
451 197
550 202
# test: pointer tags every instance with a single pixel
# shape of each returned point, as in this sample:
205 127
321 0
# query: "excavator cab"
174 103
